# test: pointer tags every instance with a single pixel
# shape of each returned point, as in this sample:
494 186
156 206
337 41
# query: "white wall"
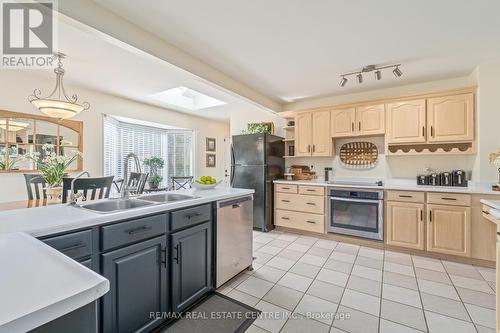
19 84
486 77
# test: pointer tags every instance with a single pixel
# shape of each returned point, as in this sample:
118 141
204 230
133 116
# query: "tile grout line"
381 291
419 293
458 294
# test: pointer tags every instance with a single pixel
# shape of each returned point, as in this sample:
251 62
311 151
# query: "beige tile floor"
306 284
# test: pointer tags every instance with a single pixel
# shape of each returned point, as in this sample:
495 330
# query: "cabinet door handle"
177 253
190 216
313 222
359 126
405 196
314 148
72 247
138 230
421 215
352 127
283 200
308 148
449 199
432 131
423 131
430 216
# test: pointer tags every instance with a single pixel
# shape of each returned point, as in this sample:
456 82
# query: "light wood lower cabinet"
302 221
449 230
405 225
304 210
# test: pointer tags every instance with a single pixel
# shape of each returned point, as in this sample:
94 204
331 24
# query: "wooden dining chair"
92 188
181 182
136 182
35 186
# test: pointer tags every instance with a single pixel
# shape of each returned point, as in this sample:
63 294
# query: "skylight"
187 98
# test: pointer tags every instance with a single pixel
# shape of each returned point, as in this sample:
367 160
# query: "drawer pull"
285 188
314 222
449 199
138 230
310 190
283 200
190 216
486 212
285 218
311 204
73 247
405 196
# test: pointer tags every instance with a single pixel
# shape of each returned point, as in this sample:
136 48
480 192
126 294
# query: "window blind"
175 146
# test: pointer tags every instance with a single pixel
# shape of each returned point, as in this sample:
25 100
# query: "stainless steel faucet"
126 190
73 197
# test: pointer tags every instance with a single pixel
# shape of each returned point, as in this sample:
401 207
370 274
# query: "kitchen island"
153 259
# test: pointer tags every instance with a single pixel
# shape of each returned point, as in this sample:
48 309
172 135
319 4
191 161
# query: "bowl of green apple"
205 183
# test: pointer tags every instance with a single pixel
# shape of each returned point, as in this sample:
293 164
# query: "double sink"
117 205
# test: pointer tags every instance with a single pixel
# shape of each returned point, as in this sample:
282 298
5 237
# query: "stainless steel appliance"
459 178
434 179
422 180
328 174
234 237
356 212
257 160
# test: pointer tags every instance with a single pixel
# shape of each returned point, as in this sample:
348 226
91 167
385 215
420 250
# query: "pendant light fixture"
57 104
370 68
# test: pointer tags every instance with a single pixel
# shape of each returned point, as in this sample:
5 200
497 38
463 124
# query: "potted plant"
495 160
155 164
53 168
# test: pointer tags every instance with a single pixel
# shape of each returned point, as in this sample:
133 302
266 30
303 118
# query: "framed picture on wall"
210 144
210 160
253 128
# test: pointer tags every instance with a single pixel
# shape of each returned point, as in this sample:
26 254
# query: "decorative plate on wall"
359 153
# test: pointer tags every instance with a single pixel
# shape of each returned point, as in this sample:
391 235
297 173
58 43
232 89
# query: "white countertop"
42 221
403 185
495 204
39 284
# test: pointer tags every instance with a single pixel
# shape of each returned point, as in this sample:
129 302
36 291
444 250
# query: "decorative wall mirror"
22 134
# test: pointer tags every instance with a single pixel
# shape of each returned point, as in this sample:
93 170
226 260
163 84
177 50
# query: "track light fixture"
397 72
343 81
370 68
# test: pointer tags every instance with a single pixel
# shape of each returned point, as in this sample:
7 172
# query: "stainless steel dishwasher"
234 237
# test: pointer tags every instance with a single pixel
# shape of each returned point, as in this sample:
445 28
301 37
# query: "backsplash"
386 167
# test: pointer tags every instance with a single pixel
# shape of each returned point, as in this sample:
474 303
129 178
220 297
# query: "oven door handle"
355 200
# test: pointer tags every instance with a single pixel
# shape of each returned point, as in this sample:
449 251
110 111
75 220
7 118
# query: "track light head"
360 78
378 75
343 81
397 72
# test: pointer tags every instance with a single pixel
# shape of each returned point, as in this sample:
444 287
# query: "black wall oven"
356 213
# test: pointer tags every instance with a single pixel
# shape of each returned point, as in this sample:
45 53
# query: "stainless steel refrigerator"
257 160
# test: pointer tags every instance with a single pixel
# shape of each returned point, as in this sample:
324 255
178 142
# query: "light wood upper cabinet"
451 118
312 134
370 119
406 122
343 123
303 134
321 140
405 225
449 230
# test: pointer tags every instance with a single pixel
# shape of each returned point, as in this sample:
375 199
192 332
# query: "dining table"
10 205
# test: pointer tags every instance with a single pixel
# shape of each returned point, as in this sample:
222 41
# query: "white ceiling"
294 49
99 62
